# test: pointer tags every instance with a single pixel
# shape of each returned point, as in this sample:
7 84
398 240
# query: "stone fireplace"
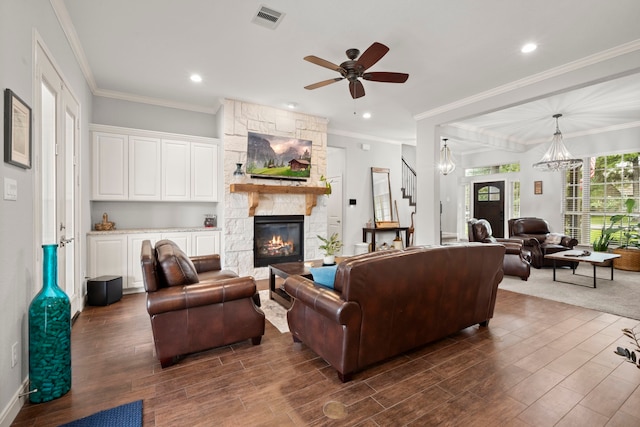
277 238
237 219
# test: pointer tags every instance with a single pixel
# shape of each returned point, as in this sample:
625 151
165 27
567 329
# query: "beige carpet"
620 296
274 312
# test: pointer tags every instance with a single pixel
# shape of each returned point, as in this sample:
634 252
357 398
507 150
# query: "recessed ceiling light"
196 78
529 47
366 115
292 105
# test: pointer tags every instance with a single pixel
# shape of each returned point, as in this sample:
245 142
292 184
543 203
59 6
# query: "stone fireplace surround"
240 118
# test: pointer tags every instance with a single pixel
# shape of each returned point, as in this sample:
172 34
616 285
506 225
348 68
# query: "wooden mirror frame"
382 200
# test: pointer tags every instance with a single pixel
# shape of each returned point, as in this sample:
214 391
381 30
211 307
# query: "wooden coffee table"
597 259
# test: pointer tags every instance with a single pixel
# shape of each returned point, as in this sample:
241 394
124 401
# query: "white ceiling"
145 50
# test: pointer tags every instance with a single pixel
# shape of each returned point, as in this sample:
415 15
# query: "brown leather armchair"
537 237
194 305
516 258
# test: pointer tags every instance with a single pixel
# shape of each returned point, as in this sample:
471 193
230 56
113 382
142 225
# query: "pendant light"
557 156
446 165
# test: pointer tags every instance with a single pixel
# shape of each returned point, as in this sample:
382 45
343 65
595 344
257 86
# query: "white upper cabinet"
204 172
144 168
110 166
132 164
176 170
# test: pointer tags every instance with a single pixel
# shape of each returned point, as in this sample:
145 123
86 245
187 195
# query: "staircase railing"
409 181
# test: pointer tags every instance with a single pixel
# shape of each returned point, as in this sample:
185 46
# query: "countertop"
152 230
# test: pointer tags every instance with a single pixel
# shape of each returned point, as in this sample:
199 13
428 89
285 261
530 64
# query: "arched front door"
488 203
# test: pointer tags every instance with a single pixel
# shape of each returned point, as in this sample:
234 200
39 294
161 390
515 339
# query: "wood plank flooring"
539 363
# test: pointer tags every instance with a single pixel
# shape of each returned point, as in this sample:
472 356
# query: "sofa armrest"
200 294
323 300
204 263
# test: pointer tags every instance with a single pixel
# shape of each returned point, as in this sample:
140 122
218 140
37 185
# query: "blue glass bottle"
49 335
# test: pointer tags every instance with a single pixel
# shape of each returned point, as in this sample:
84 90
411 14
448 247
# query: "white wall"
18 21
357 185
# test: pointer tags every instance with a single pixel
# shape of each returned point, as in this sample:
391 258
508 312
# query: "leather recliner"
537 237
516 258
194 305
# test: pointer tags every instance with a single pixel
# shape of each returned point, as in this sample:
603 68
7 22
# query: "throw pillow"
324 276
553 239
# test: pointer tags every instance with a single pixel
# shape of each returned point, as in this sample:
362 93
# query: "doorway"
336 161
488 203
57 176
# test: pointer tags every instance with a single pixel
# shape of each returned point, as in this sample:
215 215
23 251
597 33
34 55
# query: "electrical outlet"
14 354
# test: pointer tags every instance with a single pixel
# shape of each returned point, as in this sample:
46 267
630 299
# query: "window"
490 170
597 190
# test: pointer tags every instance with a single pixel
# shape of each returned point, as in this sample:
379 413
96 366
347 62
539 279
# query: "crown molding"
535 78
155 101
366 137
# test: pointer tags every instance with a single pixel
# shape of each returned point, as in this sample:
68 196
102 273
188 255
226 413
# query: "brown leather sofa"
194 305
516 258
386 303
536 236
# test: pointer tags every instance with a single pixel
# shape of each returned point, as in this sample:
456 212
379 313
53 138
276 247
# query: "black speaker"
104 290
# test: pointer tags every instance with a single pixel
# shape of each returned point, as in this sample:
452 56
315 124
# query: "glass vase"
49 335
238 174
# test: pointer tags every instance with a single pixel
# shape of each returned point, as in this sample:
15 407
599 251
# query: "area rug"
274 312
127 415
620 296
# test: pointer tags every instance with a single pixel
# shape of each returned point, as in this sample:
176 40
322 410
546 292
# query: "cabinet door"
205 242
134 243
144 168
108 256
110 166
176 170
204 172
182 239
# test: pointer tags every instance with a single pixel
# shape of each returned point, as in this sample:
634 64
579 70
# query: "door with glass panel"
57 131
488 203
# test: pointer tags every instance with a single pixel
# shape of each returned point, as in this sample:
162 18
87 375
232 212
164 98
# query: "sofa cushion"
324 276
553 239
174 264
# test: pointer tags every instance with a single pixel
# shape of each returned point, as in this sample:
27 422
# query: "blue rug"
127 415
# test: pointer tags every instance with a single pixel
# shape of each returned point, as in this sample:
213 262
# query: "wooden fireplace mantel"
254 190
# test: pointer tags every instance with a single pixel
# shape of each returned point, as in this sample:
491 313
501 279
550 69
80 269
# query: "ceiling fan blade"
356 89
324 63
386 77
372 55
323 83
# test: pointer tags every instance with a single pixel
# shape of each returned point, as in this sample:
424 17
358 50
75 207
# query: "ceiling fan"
354 69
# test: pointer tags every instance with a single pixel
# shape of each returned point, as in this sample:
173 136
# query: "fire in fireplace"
278 238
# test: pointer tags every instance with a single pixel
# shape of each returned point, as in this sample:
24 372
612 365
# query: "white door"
57 116
335 171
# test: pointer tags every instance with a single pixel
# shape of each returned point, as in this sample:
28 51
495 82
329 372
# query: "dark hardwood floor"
538 363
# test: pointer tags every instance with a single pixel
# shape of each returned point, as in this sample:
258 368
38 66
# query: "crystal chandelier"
557 156
446 165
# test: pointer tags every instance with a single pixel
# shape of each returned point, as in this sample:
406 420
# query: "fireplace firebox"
277 238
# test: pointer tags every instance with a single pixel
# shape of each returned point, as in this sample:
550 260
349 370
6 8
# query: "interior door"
335 170
58 125
488 203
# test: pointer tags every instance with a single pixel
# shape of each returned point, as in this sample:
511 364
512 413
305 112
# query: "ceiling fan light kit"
354 69
557 156
446 165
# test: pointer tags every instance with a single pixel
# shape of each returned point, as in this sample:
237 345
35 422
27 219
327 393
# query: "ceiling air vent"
268 17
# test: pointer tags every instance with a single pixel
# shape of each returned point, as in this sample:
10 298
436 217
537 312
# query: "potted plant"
601 244
330 246
629 229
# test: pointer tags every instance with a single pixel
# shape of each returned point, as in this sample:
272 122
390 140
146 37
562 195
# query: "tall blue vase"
49 335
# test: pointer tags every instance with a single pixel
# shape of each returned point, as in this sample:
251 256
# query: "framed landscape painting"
17 130
278 157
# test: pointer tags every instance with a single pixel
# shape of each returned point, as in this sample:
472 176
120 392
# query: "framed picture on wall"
537 187
17 130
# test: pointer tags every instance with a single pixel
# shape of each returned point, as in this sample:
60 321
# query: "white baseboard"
10 412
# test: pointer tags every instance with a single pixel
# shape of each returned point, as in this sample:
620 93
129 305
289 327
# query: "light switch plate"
10 189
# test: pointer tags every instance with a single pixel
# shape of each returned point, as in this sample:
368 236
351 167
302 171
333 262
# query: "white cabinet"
205 243
176 170
108 256
144 168
132 164
204 172
119 254
110 166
